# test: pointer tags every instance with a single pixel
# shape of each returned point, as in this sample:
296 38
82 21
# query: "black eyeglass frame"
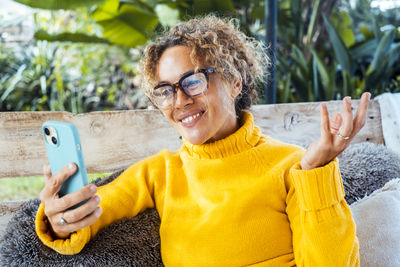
178 85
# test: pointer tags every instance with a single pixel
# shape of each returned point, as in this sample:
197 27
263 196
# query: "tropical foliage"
326 49
72 77
347 60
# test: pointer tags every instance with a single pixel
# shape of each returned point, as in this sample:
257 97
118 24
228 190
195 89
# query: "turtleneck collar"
246 137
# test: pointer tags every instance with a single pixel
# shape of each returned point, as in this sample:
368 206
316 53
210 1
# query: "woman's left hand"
337 134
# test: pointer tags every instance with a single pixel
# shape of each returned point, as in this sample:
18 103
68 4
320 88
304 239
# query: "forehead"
173 63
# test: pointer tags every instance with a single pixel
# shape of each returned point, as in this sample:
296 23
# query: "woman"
229 196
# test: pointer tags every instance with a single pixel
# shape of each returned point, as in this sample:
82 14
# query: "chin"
195 139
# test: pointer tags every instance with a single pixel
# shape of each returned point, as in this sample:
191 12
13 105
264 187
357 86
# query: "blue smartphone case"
65 149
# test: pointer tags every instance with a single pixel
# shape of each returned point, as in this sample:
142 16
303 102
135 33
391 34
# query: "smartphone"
63 146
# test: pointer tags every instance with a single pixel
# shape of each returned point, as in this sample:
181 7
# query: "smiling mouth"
192 119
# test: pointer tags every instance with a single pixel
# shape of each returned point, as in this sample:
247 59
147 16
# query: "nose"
182 99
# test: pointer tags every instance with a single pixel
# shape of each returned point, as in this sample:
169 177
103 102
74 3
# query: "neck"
244 138
231 125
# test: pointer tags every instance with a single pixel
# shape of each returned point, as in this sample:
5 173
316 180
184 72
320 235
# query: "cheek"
224 102
167 113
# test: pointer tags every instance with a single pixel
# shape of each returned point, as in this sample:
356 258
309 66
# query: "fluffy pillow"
366 167
130 242
378 226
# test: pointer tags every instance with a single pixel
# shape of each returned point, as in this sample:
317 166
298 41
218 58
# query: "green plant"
326 49
72 77
347 60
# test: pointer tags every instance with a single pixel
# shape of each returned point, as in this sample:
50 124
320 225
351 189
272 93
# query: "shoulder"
156 161
278 151
163 156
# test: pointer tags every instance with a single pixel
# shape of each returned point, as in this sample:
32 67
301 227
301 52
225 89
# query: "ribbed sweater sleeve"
324 232
129 194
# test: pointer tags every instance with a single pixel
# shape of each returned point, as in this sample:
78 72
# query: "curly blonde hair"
217 43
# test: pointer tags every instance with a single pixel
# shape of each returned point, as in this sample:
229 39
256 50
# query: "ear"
236 86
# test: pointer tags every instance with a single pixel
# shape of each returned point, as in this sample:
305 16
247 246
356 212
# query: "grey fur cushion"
366 167
135 242
129 242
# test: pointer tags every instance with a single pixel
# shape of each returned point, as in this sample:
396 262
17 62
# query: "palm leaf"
207 6
312 21
321 69
69 37
364 49
382 49
315 80
59 4
126 24
14 80
341 53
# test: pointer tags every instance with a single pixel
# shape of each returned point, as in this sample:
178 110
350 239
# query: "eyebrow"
180 76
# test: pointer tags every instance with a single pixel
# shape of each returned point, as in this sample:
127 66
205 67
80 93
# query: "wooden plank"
300 124
112 140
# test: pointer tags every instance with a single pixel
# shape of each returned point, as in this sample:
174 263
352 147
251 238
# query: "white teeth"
190 118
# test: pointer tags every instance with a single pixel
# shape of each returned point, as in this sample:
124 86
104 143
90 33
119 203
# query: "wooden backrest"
112 140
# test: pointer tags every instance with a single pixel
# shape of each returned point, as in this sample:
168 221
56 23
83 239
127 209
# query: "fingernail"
348 99
99 211
71 166
93 188
369 96
97 199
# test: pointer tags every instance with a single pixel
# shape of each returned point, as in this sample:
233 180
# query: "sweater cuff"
72 245
317 188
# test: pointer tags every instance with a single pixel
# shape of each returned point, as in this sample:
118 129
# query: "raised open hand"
336 134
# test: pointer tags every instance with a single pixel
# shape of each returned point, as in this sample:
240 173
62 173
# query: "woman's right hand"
56 208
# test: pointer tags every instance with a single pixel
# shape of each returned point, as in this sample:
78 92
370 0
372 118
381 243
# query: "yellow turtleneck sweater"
240 201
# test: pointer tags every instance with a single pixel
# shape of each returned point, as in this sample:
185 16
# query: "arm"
129 194
324 233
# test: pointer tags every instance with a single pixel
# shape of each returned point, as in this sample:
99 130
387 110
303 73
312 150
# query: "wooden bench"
113 140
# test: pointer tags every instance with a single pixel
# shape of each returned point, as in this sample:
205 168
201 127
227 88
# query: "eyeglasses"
191 83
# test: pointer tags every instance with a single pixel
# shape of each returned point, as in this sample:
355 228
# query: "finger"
54 183
74 198
359 118
335 123
75 226
44 194
46 172
347 125
82 211
324 116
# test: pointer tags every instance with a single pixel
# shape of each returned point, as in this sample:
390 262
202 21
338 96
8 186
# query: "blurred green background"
81 55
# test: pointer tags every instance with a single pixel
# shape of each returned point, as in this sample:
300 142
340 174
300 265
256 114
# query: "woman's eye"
163 91
166 92
192 84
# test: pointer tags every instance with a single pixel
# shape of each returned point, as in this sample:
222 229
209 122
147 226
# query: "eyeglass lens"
192 85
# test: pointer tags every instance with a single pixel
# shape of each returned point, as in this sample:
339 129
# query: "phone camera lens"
47 131
54 140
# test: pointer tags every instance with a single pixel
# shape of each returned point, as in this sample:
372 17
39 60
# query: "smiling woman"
199 119
235 61
230 196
